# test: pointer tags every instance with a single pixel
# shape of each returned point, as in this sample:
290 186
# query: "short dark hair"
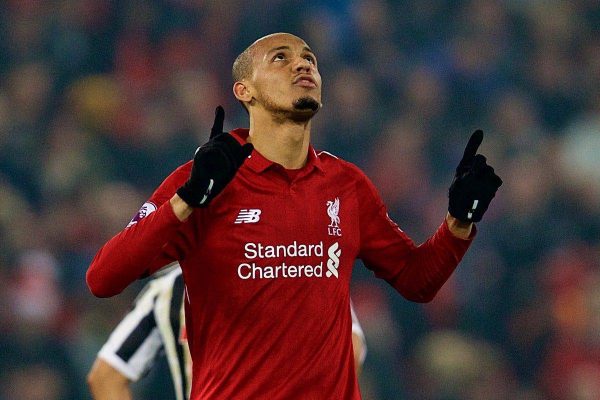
242 66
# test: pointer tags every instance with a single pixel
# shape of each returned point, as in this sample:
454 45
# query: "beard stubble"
302 109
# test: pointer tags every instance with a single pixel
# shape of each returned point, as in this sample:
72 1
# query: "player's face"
285 76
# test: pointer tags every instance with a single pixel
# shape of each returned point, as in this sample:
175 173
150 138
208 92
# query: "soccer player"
267 230
155 326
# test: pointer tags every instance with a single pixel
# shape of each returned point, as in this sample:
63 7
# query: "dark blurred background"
100 100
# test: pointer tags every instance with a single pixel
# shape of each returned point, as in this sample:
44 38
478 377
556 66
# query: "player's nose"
302 65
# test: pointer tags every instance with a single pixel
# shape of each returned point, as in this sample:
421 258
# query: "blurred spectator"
450 366
49 384
572 364
35 345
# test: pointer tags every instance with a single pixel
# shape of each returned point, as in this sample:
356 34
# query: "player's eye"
279 57
310 59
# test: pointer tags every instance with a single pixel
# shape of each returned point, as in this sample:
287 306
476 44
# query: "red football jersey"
267 269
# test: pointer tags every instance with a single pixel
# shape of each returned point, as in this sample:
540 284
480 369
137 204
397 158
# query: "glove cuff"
192 197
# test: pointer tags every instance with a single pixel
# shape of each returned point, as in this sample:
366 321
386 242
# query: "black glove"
215 165
474 185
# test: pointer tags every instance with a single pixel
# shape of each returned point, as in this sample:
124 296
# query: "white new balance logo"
248 216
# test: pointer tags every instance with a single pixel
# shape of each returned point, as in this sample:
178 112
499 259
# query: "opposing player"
155 326
267 317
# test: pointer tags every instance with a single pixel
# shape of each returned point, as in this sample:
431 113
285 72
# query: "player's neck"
282 141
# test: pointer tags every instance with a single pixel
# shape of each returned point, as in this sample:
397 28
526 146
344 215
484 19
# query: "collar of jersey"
257 162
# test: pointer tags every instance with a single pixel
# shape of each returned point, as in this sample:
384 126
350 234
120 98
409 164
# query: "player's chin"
304 108
306 104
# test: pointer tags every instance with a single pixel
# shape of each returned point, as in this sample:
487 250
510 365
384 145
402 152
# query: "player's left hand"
474 185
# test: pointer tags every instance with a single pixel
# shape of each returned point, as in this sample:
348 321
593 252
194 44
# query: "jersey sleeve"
133 346
149 242
416 272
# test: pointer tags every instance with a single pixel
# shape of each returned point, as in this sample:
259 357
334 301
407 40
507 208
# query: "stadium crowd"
99 100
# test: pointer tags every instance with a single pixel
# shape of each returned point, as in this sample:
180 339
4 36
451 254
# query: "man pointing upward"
255 332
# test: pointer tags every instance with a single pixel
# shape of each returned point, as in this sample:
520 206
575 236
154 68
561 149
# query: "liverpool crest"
333 210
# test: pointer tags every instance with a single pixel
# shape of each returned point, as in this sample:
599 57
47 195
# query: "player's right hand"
215 165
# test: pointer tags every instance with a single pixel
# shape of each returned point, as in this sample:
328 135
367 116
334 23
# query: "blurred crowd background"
101 99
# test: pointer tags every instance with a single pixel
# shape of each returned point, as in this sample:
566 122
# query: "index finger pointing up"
472 146
218 124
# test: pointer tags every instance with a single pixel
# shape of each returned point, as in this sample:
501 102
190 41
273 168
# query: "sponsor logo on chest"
258 255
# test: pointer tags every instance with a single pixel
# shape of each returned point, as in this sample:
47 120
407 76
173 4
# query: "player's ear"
242 91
